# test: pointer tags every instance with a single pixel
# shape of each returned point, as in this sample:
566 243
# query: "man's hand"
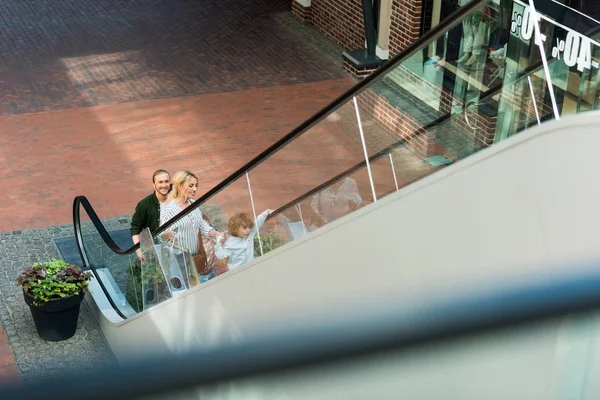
141 258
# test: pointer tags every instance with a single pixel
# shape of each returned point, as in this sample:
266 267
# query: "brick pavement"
109 152
8 368
76 53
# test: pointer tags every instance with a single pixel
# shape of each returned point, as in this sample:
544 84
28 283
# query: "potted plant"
53 290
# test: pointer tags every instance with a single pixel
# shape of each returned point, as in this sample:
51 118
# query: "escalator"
409 128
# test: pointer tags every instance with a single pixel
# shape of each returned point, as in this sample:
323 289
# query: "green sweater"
147 215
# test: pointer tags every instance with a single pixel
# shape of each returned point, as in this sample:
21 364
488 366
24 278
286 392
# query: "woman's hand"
169 235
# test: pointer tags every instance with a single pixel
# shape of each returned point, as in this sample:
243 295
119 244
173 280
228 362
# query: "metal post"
393 172
254 213
370 25
366 153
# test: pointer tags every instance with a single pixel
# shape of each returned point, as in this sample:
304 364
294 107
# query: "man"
147 211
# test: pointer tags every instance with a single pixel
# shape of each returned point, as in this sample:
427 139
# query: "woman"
185 184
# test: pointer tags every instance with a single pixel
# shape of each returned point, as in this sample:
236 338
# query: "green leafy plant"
269 241
53 279
133 292
150 275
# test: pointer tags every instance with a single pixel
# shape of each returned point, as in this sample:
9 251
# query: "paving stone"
87 150
79 53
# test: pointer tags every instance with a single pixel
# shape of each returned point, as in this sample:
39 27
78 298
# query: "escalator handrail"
82 201
454 19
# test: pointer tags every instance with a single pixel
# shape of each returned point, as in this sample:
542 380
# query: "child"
239 246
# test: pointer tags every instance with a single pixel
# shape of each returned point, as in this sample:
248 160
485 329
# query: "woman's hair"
180 177
239 220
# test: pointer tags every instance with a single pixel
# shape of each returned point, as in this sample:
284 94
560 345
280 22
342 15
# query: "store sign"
575 49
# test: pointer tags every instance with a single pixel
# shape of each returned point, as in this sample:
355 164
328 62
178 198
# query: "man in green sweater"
147 211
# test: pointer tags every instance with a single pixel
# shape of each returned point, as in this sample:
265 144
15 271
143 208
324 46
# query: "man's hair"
239 220
158 172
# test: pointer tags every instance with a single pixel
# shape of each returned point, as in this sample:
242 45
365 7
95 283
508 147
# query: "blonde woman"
185 185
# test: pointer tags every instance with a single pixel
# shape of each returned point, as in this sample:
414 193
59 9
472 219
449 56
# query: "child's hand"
269 211
222 238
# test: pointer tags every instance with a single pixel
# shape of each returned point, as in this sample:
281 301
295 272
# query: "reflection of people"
335 202
239 246
475 35
147 211
185 184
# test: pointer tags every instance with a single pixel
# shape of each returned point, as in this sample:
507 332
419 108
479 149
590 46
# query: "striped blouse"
187 227
332 203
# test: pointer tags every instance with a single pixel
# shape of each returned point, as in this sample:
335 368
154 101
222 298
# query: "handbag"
221 266
204 263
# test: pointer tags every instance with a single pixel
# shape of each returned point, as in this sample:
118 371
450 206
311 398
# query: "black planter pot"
57 319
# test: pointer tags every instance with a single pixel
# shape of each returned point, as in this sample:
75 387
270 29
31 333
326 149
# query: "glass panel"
111 268
490 84
324 151
570 43
160 276
383 181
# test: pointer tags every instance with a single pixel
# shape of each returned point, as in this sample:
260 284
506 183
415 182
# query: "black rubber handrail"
397 328
82 201
454 19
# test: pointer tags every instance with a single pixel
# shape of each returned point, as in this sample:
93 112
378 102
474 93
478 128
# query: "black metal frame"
401 325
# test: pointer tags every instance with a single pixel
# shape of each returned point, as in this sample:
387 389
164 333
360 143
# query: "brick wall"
405 24
476 123
398 123
341 20
356 72
302 13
